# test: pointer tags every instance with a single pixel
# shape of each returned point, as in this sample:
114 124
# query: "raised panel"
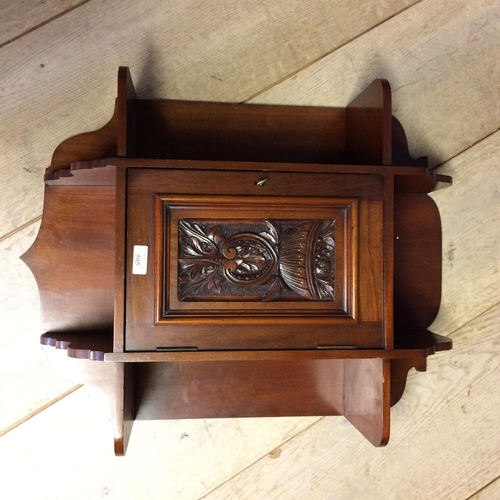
226 255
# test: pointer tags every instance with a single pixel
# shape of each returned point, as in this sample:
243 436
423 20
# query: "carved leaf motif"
285 259
249 259
272 235
214 283
194 274
198 243
325 290
215 235
199 270
276 285
324 260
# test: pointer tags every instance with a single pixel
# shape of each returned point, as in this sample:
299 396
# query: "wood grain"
470 215
367 398
457 435
71 300
417 245
17 18
231 390
207 331
68 210
238 132
489 492
453 47
440 59
368 126
60 79
186 459
26 381
269 355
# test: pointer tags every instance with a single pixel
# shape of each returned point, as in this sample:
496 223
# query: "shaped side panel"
72 258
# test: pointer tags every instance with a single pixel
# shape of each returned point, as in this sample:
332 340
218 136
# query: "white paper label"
140 262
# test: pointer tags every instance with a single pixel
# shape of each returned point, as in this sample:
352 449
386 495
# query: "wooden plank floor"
58 62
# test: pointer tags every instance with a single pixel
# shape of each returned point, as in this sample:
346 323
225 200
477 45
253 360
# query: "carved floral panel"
259 260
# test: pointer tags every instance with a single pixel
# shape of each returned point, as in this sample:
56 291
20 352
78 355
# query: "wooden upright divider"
232 260
367 397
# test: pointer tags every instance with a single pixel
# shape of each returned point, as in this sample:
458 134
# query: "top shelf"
363 133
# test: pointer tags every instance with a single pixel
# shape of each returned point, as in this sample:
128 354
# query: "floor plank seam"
474 318
466 149
326 54
39 410
483 488
43 23
20 228
259 459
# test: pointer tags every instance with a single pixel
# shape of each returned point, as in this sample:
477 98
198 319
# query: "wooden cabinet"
226 260
230 268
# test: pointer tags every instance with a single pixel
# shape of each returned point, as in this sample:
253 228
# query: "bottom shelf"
361 385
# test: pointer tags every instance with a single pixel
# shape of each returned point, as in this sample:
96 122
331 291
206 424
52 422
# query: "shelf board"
267 355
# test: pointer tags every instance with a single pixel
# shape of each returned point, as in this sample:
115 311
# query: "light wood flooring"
58 65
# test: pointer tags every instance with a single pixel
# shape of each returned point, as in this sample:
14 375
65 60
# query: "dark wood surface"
368 126
239 132
97 208
388 253
324 352
88 146
417 262
72 258
249 251
92 345
407 180
235 389
124 405
400 154
367 385
236 326
125 110
119 260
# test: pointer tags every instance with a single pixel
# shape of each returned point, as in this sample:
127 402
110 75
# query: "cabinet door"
233 263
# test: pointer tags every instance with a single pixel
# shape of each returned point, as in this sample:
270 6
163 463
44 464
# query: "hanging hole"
261 183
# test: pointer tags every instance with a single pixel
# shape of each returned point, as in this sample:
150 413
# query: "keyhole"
261 183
